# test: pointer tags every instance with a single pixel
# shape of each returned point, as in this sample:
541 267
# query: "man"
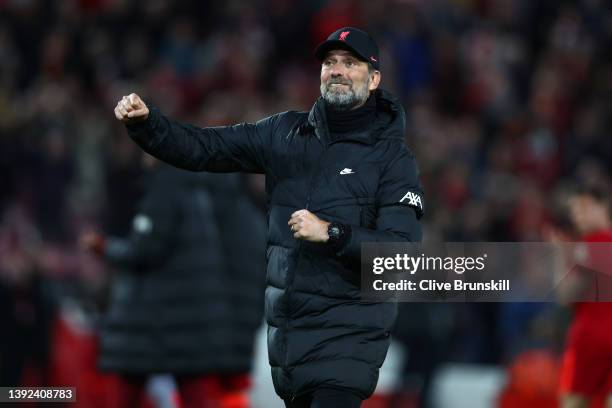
586 373
179 303
336 177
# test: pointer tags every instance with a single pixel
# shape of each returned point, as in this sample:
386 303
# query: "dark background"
507 101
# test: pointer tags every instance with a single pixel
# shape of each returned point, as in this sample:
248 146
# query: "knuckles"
129 103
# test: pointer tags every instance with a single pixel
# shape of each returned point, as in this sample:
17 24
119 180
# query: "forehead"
340 53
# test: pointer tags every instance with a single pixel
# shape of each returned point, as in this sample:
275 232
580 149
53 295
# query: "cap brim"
328 45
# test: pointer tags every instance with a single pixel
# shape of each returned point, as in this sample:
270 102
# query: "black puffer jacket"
320 333
178 303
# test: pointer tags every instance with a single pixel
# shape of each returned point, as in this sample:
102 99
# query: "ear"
375 80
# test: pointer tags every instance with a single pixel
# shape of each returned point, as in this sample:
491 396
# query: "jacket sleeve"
151 239
399 205
220 149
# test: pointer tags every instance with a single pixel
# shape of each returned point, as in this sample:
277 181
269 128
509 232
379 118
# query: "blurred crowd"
507 101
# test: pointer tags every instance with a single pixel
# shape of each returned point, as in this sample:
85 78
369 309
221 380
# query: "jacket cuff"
143 127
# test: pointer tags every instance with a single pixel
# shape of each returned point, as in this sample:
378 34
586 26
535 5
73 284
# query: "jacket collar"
392 126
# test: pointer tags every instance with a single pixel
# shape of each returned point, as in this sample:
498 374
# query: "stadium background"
507 101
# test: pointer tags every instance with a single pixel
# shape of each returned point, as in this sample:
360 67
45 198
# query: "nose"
337 71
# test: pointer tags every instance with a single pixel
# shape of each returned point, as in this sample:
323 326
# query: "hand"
131 109
307 226
92 242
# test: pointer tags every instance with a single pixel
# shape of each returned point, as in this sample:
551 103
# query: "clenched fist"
307 226
131 109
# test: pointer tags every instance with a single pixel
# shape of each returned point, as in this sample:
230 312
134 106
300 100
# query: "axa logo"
413 199
343 35
346 171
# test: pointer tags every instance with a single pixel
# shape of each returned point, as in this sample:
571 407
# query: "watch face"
335 230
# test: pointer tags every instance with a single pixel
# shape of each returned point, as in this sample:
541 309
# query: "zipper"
290 278
314 178
326 147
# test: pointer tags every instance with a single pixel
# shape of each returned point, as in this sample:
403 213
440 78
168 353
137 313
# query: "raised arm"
220 149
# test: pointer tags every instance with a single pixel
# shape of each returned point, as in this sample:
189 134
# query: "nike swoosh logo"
347 171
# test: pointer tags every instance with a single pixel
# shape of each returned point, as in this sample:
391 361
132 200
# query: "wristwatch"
338 234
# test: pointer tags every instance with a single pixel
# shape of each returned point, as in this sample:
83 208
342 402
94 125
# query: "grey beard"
343 101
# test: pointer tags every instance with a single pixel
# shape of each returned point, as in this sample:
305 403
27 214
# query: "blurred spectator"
188 294
533 376
26 308
586 375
